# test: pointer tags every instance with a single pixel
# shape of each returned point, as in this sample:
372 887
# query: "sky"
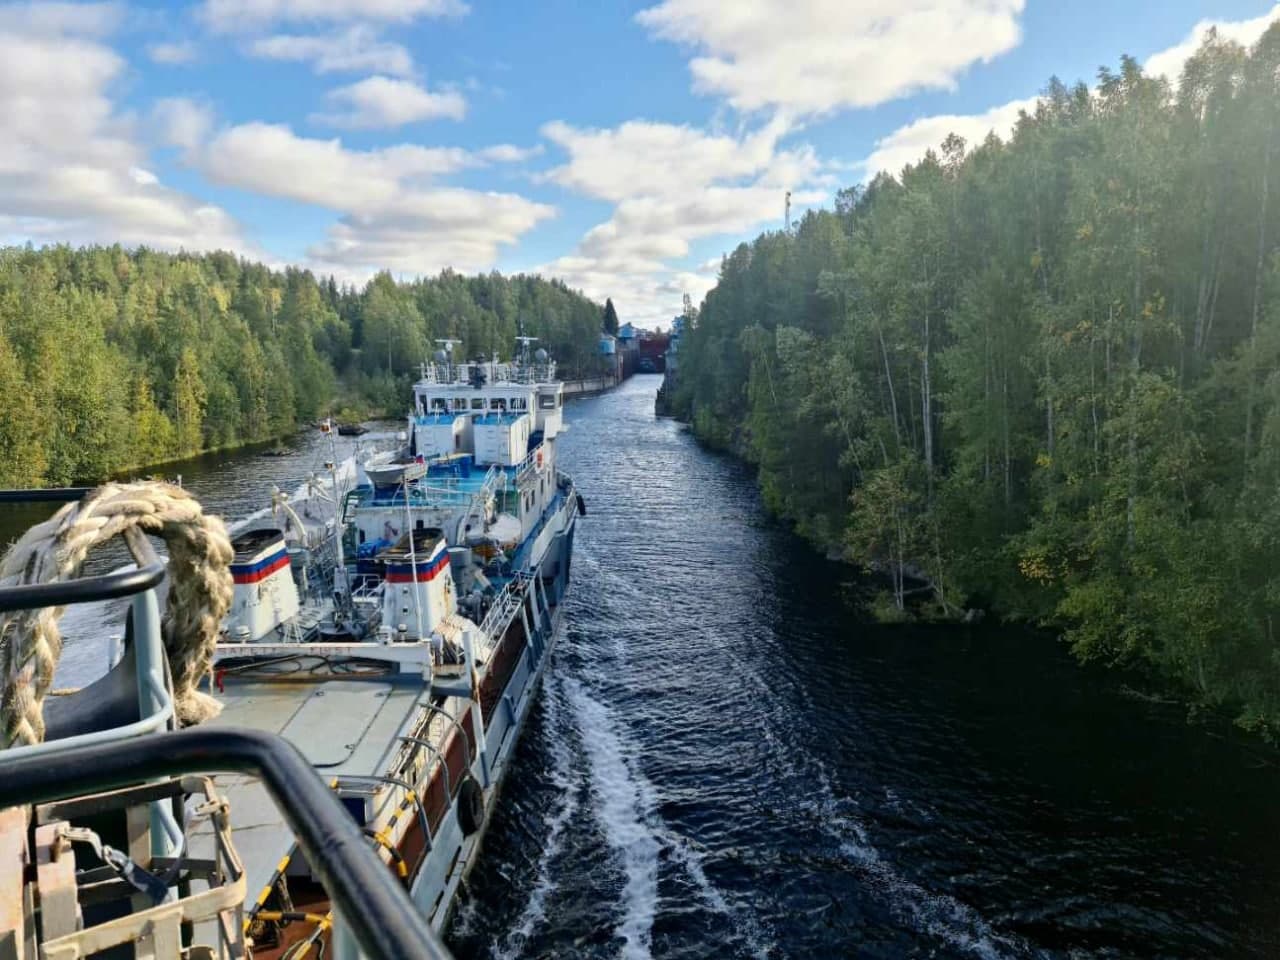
623 147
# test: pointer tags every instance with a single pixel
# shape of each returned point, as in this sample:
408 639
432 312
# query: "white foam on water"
630 798
621 809
939 915
562 779
758 942
464 919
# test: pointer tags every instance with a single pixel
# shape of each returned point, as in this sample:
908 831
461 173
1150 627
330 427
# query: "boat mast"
339 557
413 556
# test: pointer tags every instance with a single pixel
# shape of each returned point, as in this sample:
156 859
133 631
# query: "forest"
1040 375
112 359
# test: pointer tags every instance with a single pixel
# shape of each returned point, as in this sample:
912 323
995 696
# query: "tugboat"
393 627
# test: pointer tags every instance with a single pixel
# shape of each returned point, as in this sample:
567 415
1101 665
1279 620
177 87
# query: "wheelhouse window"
548 401
518 403
477 403
497 403
438 405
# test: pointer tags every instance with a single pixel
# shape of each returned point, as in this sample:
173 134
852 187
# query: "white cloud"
640 157
908 144
232 15
671 186
272 159
357 48
813 58
1246 32
80 19
394 215
510 153
181 122
430 229
71 168
172 53
379 102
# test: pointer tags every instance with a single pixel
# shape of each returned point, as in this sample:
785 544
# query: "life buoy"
539 458
470 806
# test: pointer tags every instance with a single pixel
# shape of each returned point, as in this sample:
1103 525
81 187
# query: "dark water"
730 760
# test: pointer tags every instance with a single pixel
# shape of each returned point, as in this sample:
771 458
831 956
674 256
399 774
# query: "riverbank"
920 604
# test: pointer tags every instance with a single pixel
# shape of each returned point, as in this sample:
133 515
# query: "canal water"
730 760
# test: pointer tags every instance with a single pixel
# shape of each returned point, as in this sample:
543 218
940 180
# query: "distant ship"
392 621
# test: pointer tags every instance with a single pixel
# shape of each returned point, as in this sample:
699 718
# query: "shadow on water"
729 760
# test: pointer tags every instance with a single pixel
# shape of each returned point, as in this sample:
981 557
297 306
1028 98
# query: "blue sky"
621 146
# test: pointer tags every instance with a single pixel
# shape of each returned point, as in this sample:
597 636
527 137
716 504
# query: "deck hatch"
334 719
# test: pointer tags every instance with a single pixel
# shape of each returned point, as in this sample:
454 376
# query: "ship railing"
413 779
505 606
526 373
155 699
372 913
530 462
366 592
446 493
493 478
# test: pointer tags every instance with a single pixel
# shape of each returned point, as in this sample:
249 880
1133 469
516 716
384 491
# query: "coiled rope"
200 590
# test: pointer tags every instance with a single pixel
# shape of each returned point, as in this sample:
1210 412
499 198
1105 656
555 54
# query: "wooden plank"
13 862
56 879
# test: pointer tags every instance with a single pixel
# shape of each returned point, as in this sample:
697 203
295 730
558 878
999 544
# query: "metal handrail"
107 586
505 604
156 702
411 792
369 900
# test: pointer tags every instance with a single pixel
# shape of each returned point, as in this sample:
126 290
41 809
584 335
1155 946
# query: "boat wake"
624 805
560 776
938 915
627 809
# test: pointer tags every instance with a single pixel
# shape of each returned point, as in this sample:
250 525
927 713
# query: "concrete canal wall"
582 388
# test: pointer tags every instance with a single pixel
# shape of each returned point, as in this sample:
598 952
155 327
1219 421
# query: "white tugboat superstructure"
392 623
458 550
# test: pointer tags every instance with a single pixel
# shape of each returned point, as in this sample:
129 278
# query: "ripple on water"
728 761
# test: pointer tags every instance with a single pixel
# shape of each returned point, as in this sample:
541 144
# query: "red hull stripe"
254 572
427 570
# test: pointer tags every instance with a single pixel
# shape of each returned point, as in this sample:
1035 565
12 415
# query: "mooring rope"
200 589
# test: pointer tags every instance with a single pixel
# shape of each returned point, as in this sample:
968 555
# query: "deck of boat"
344 727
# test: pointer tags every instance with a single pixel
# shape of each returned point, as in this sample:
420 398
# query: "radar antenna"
524 346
